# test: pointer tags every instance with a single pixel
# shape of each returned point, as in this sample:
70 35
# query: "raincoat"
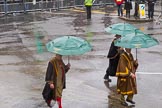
55 74
88 2
126 85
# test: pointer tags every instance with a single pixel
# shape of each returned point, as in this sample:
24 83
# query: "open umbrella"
136 40
68 45
121 29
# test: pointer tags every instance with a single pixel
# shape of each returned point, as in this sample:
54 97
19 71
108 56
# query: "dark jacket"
128 5
113 56
151 4
151 1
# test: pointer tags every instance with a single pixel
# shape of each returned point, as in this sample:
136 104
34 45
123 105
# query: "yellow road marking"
93 11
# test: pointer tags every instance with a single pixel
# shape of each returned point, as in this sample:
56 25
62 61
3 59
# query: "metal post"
42 5
74 4
24 5
58 5
161 7
5 7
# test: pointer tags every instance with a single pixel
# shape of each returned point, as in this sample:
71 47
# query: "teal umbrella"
121 29
136 40
68 45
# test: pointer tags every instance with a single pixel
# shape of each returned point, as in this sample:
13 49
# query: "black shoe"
106 77
130 101
49 104
124 103
107 80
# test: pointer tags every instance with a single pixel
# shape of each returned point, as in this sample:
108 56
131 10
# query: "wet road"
24 60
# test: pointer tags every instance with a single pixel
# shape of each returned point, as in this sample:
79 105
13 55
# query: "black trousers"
151 10
127 13
136 10
88 9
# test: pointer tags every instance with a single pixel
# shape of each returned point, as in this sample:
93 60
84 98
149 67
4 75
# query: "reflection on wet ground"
114 98
23 38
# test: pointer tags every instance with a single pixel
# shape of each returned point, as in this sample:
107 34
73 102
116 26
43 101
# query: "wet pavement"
24 60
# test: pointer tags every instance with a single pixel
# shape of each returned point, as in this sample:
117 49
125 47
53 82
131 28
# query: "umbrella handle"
136 53
68 59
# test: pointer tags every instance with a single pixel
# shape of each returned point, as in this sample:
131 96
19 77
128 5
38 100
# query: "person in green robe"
126 81
55 80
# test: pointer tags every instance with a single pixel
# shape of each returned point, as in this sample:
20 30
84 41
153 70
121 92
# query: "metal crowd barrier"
7 8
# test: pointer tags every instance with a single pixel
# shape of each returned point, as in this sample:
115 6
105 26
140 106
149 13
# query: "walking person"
119 5
113 56
55 80
128 7
151 4
126 82
88 5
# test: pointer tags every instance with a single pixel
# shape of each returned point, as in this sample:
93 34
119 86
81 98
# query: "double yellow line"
93 11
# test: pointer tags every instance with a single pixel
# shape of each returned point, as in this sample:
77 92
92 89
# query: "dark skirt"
113 63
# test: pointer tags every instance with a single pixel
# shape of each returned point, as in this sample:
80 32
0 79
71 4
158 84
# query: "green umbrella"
68 45
121 29
136 40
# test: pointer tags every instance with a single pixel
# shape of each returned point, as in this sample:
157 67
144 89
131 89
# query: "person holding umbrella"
55 75
113 56
55 80
126 81
127 66
119 29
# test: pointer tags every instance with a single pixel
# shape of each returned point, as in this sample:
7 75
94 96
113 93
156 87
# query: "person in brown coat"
55 80
126 81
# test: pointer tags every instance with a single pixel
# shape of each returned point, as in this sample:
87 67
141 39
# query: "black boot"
106 77
130 101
